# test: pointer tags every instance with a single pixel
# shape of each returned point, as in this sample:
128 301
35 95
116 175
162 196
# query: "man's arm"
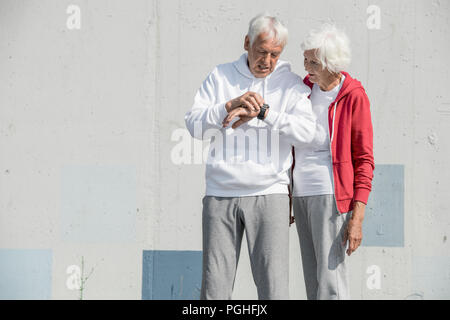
206 113
210 114
298 123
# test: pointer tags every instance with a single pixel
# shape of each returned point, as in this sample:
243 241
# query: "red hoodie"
351 137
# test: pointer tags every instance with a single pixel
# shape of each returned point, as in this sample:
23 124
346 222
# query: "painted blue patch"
98 204
171 275
25 274
384 218
431 277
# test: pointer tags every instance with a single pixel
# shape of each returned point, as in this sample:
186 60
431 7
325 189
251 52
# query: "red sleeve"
362 146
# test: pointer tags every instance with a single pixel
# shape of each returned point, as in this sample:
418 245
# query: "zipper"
331 153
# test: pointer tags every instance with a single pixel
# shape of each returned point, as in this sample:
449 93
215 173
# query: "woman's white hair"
332 47
264 23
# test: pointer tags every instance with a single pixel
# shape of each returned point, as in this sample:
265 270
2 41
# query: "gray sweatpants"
266 223
320 229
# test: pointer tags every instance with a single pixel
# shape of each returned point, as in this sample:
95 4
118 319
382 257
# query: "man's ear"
247 43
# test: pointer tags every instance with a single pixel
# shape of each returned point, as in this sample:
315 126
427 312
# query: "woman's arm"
363 166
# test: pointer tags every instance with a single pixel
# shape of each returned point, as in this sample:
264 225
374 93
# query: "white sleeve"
298 123
206 113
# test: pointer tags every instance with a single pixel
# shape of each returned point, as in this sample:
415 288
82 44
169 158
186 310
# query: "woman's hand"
353 232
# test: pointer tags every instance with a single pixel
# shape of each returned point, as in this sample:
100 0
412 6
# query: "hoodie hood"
242 66
348 86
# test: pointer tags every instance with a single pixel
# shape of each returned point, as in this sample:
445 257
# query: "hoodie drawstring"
264 88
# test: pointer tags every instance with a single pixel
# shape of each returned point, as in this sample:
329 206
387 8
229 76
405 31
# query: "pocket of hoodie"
239 174
343 177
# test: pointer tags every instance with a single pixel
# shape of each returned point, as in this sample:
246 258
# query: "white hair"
332 47
264 23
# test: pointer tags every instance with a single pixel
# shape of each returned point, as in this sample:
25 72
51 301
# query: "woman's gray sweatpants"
320 229
266 223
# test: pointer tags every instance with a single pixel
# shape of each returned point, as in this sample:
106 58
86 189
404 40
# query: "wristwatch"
262 111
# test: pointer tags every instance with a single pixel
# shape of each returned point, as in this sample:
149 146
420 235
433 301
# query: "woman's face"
313 66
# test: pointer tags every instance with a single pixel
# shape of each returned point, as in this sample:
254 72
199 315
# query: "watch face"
262 112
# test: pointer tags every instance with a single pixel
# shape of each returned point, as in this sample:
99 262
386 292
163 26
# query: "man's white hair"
264 23
332 47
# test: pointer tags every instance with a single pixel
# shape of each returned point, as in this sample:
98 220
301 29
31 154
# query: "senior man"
245 188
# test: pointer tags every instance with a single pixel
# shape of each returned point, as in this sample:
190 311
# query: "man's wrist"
263 112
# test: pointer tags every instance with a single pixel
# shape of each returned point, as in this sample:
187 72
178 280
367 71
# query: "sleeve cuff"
271 117
220 112
361 195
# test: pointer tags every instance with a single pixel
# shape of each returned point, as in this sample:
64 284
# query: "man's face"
262 55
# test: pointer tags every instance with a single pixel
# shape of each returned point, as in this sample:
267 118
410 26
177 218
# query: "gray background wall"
86 124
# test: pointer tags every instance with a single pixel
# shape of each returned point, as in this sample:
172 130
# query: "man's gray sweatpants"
320 229
266 223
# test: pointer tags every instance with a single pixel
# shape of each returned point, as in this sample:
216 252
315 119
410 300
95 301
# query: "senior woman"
332 176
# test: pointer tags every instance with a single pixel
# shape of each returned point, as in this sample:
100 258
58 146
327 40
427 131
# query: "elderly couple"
321 163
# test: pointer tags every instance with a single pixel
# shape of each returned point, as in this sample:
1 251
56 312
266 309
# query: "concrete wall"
92 92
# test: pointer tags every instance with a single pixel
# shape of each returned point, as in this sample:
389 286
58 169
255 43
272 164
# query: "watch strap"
262 111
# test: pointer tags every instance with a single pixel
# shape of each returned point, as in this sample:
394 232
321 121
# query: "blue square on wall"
171 275
25 274
384 216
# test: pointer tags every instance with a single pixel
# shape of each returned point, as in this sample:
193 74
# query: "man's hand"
353 232
244 114
251 100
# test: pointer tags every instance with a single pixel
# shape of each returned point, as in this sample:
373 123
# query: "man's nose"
267 59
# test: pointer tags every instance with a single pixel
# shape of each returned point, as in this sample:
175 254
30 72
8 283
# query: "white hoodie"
245 168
